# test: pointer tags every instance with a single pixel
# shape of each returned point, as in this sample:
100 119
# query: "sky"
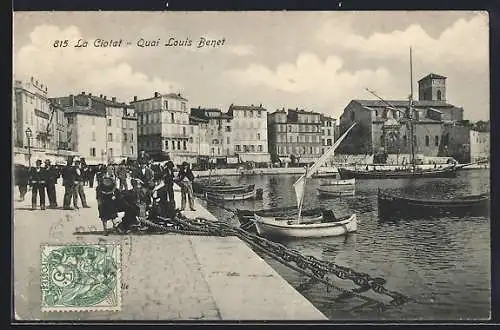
316 61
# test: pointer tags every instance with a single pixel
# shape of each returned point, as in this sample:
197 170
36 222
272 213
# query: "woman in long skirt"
106 195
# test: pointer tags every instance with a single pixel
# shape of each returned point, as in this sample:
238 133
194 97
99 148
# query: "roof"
168 95
432 76
110 103
325 117
404 104
201 113
195 119
246 107
85 110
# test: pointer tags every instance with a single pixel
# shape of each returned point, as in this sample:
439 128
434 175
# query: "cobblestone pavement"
164 277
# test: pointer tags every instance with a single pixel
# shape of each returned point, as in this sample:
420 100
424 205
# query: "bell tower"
432 88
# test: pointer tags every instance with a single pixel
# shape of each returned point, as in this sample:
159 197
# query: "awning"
232 160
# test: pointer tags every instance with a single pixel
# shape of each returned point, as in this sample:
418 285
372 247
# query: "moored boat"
228 196
446 172
325 193
339 182
247 217
201 188
390 206
290 228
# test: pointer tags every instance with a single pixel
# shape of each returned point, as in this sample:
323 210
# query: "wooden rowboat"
390 205
339 182
247 217
279 227
201 188
326 193
228 196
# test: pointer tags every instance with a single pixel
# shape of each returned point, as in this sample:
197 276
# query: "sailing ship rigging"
411 171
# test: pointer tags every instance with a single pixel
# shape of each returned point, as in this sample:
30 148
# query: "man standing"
146 175
122 175
51 176
37 182
79 185
185 179
69 185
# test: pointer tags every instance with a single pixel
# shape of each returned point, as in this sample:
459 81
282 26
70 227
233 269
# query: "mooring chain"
318 268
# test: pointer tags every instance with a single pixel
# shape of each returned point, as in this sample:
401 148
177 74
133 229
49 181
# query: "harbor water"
443 263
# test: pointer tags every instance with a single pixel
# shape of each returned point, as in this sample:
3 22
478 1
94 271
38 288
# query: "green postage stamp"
80 277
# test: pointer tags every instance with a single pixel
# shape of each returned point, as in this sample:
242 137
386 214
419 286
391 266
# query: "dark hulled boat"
447 172
392 206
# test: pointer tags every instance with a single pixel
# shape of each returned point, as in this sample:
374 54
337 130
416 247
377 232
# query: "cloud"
466 41
71 70
322 84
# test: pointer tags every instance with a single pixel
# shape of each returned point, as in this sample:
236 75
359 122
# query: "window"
131 137
310 150
213 151
165 104
329 132
228 128
252 148
92 152
228 140
439 95
436 141
184 145
178 145
173 145
93 136
131 150
110 136
166 144
290 128
109 122
110 152
259 113
427 140
124 137
405 142
260 146
322 141
237 147
172 118
258 136
183 106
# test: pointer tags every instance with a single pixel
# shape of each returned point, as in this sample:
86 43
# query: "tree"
481 126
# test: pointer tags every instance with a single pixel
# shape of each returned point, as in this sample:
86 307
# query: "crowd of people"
149 195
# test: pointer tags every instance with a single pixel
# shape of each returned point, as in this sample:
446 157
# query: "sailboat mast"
410 114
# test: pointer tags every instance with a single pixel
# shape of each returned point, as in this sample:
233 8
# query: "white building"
328 127
163 127
250 133
479 146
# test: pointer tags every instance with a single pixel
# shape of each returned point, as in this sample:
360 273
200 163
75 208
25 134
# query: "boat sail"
412 171
306 226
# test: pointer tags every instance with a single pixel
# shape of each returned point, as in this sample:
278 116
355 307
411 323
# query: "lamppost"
29 136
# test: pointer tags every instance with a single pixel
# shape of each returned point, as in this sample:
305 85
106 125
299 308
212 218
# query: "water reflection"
443 261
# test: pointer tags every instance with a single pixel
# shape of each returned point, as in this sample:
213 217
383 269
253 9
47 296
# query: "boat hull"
323 193
201 188
340 182
247 217
449 172
394 207
232 196
282 229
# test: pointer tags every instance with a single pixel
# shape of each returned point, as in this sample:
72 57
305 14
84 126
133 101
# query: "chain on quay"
318 271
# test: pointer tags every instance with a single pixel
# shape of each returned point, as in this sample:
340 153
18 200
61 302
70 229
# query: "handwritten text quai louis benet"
201 42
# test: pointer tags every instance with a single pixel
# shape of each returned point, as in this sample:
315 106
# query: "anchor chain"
307 265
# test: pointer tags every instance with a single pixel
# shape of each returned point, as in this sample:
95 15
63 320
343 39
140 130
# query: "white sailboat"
304 226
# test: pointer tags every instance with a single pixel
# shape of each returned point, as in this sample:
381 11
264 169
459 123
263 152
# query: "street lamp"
29 135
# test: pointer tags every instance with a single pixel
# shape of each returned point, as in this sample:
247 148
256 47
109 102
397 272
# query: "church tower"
432 88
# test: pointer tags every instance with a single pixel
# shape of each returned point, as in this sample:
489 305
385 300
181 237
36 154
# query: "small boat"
200 188
339 182
304 225
325 175
247 217
275 227
390 205
447 172
228 196
335 193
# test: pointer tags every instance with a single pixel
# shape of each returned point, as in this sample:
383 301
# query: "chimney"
113 99
100 96
72 100
157 94
135 98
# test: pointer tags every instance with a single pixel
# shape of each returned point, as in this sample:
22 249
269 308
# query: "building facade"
99 129
328 132
382 126
163 127
479 146
295 135
219 134
250 133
